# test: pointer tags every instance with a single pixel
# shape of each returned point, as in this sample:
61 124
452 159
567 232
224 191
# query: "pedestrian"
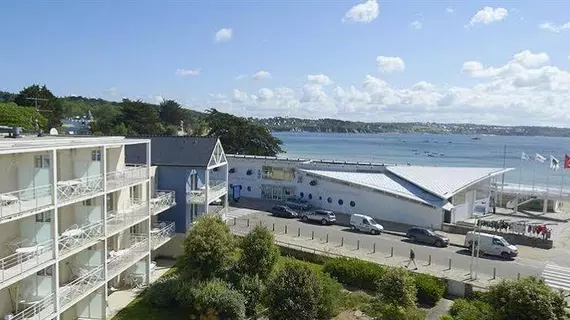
412 259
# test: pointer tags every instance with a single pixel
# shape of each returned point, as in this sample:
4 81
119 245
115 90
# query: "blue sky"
371 60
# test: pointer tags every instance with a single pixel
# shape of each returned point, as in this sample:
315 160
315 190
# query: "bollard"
261 223
313 235
273 227
299 232
494 273
235 221
285 229
518 276
341 241
327 241
357 244
449 263
374 248
429 260
392 252
248 223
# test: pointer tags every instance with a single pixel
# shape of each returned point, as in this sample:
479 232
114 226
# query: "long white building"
75 220
414 195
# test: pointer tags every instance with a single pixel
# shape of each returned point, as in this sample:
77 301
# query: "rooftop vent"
16 132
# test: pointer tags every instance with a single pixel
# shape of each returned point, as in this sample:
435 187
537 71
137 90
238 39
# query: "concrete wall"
115 158
9 172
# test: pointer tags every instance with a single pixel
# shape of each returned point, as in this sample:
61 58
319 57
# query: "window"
310 196
47 272
329 200
43 217
275 173
364 221
42 161
96 155
88 202
302 194
340 202
248 188
352 203
320 198
498 242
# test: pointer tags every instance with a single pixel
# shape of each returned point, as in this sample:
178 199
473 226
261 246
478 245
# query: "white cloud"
556 28
519 61
489 15
265 94
187 72
113 91
239 96
241 76
449 10
319 79
313 93
260 75
224 34
390 64
416 25
364 12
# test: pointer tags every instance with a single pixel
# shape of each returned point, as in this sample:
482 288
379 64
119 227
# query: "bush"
330 296
259 253
471 310
163 292
430 289
446 317
397 287
355 273
390 311
252 288
215 298
294 293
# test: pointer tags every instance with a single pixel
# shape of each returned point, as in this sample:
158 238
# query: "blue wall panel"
173 178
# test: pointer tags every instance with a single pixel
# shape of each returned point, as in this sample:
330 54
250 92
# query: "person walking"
412 259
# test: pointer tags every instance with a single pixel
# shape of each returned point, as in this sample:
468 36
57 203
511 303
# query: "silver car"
322 216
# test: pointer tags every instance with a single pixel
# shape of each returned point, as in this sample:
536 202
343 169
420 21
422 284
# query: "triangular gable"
218 157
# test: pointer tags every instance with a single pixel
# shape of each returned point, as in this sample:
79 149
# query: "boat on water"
475 138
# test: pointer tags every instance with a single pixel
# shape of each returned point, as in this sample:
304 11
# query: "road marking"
238 213
557 277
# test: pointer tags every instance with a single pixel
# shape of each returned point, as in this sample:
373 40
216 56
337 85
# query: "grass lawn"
140 309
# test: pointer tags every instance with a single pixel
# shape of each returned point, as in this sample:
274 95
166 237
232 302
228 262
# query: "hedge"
355 273
430 289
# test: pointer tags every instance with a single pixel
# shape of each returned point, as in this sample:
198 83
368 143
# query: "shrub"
430 289
215 298
259 253
390 311
471 310
330 296
294 293
397 287
252 288
163 292
186 294
356 273
446 317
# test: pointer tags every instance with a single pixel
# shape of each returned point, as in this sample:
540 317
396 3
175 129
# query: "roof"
33 143
382 182
182 151
444 181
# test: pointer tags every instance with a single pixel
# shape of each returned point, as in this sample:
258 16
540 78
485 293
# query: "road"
460 258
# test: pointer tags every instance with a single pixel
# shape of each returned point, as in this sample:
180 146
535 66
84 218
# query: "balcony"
82 286
117 221
164 200
128 176
161 233
121 260
25 202
216 189
79 236
25 258
36 309
71 190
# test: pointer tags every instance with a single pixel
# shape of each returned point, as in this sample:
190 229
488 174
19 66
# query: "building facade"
75 220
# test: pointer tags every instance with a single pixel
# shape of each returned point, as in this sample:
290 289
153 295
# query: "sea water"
437 150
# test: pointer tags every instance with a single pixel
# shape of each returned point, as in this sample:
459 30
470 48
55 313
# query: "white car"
363 223
490 244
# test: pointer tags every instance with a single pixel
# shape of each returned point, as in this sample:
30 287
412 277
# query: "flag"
554 163
539 158
566 161
524 156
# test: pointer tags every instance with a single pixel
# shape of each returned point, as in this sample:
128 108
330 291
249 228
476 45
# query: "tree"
242 136
397 287
528 298
259 253
140 117
15 116
215 300
171 112
294 293
207 249
50 108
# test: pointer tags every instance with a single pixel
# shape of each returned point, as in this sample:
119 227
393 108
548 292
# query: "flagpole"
533 175
520 179
562 183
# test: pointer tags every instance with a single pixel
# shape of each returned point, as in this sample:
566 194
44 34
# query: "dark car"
297 203
424 235
284 211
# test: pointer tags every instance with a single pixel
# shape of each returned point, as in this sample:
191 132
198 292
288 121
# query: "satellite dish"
53 132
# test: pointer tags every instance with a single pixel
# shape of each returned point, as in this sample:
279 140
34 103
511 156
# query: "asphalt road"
461 258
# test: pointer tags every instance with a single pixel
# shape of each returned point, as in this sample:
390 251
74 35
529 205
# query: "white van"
490 244
360 222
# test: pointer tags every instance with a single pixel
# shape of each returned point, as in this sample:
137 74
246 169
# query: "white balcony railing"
129 175
163 200
80 287
161 233
122 259
18 203
41 309
24 259
135 213
216 189
69 190
77 236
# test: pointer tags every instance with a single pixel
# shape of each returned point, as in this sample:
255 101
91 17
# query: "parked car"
297 204
424 235
364 223
490 244
284 211
322 216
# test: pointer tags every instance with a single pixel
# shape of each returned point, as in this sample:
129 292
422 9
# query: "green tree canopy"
141 118
242 136
171 112
15 116
50 108
259 253
207 249
397 287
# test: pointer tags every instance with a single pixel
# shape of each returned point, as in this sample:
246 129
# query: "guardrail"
80 286
160 234
77 237
138 247
17 203
18 263
38 311
68 190
130 175
164 200
216 189
137 212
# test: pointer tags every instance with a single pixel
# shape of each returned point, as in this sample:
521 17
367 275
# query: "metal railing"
136 249
73 238
18 263
216 189
161 233
164 200
80 286
16 203
70 189
129 175
137 212
39 310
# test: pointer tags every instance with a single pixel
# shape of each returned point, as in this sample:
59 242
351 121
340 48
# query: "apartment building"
75 221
